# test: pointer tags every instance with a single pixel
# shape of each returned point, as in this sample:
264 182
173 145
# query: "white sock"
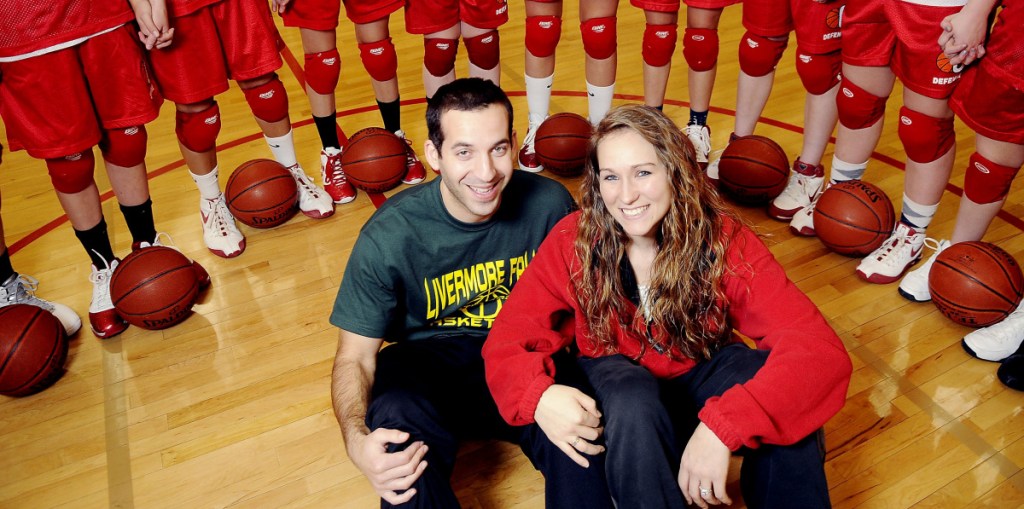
283 148
209 184
599 101
538 98
843 171
919 216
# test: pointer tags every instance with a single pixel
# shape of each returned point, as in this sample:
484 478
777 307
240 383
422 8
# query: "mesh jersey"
179 8
1004 55
32 26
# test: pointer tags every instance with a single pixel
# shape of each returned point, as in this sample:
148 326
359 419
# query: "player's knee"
73 173
759 55
857 107
439 55
599 38
925 138
700 48
986 181
269 101
659 44
125 146
323 70
400 409
198 131
542 34
819 73
484 50
379 59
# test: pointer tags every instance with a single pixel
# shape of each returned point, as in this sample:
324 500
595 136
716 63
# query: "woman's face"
635 186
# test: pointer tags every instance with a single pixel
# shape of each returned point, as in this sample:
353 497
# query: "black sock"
6 270
97 244
391 113
660 107
698 117
327 128
140 221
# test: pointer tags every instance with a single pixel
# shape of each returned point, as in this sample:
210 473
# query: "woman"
650 276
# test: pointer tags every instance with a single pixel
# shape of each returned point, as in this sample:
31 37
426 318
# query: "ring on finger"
575 442
704 492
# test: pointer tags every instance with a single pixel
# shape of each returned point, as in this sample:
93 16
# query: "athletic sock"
917 215
327 128
140 221
283 148
209 184
843 171
97 244
538 98
391 114
698 118
6 270
600 101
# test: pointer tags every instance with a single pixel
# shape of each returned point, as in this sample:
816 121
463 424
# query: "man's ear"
432 153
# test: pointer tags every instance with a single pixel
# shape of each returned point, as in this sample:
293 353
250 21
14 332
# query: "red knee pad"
599 37
700 48
198 131
542 34
819 73
987 182
269 101
73 173
379 59
659 43
323 70
125 147
759 55
858 108
484 50
439 55
925 138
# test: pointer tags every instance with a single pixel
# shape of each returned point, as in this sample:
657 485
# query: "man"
473 231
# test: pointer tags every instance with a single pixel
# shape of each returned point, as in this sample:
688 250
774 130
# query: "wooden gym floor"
232 408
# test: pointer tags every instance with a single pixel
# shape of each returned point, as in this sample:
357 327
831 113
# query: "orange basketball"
853 218
942 61
834 19
33 348
262 193
561 143
374 159
753 170
154 287
975 283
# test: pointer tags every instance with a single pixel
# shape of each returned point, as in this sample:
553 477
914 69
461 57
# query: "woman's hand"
704 468
571 421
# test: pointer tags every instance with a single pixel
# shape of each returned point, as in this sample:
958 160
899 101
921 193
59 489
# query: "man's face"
475 161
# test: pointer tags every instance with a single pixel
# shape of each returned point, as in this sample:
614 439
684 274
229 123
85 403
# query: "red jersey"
1004 53
31 27
178 8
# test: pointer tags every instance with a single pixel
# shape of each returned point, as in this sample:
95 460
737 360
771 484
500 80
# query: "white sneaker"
887 263
220 234
803 220
712 169
700 136
999 341
20 289
103 318
313 201
805 184
914 286
527 155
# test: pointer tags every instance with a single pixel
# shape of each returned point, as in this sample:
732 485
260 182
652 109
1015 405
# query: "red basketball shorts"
987 102
323 14
429 16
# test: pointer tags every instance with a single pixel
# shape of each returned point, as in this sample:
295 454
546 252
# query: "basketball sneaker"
314 202
201 275
803 220
103 318
700 137
712 169
1011 372
998 341
527 155
21 289
414 172
914 286
887 263
804 186
220 234
335 182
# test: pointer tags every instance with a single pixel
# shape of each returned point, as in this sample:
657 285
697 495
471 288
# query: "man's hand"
704 468
571 421
389 473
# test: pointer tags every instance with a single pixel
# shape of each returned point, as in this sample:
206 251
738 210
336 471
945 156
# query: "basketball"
154 287
561 143
853 218
942 62
33 348
975 283
753 170
261 193
374 159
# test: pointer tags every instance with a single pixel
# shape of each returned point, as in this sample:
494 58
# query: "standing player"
72 76
217 40
543 30
318 21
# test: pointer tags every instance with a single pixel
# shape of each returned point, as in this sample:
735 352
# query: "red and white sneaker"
314 202
527 155
700 137
201 275
888 263
802 222
806 182
414 171
220 234
335 183
103 318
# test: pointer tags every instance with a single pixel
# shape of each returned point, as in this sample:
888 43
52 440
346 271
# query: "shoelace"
220 212
333 174
900 238
695 131
933 244
794 191
304 181
24 288
531 135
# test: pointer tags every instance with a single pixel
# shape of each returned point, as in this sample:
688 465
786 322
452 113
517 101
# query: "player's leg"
543 31
700 48
598 31
660 36
440 49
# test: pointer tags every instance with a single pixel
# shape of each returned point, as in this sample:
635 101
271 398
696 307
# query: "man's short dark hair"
463 94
